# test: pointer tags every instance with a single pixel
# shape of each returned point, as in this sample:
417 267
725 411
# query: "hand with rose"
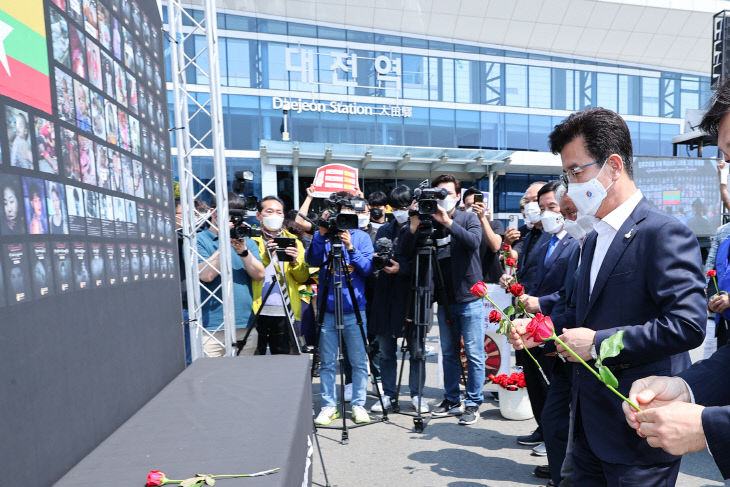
668 420
579 340
718 303
531 303
519 337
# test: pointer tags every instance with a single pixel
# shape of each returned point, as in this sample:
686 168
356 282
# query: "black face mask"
376 213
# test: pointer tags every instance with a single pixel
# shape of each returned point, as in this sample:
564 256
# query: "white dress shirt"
607 229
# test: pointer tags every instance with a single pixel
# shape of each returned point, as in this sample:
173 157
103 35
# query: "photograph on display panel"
59 35
16 272
110 264
65 97
18 128
57 213
76 210
45 143
41 269
12 220
96 264
36 214
62 266
70 154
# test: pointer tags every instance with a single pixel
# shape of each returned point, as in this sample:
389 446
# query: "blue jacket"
359 262
527 263
551 274
710 385
651 285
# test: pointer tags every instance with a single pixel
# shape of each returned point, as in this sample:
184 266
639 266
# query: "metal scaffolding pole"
181 61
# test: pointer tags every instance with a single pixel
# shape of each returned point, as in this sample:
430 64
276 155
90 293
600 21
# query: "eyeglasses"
573 173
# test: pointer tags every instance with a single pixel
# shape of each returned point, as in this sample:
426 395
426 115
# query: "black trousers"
273 334
556 417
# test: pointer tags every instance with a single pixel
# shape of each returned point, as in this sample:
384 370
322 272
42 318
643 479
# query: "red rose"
505 247
511 262
540 328
517 289
495 316
479 289
711 273
155 478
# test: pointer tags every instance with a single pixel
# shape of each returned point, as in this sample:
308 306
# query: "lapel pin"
628 235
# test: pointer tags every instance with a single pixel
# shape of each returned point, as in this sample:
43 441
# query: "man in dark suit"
542 293
691 412
640 272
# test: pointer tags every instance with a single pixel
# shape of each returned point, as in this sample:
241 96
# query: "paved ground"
446 454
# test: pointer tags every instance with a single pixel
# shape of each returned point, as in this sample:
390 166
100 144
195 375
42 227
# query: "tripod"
278 279
336 269
420 301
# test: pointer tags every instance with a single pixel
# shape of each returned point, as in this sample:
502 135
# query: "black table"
219 416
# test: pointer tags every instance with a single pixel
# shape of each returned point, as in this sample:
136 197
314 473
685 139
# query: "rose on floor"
540 329
156 478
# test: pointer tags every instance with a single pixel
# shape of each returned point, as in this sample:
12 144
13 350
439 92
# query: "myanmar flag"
24 53
671 197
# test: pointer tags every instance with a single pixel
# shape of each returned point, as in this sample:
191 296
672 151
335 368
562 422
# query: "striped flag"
24 54
671 197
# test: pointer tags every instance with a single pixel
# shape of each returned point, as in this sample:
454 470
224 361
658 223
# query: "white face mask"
273 222
552 222
529 225
363 220
448 203
582 226
532 212
400 216
588 196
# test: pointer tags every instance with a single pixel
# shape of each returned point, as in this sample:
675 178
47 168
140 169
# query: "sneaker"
377 408
540 450
424 404
448 408
348 392
359 415
470 415
533 439
326 415
429 351
380 387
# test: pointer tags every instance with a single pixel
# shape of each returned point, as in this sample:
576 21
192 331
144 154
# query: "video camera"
241 229
239 187
383 253
337 221
427 199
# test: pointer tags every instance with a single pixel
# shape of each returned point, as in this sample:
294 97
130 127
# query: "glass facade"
461 95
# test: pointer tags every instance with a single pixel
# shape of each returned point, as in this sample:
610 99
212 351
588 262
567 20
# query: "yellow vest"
295 273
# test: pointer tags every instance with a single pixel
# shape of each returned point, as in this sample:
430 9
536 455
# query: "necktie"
551 247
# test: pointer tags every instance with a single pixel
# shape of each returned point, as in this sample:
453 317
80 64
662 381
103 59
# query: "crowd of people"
593 254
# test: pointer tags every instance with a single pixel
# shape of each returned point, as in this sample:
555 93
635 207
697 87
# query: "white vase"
515 404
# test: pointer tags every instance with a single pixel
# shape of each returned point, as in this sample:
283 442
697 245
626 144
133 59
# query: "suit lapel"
624 236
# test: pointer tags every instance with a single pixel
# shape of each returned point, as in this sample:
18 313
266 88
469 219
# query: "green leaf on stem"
612 346
509 310
209 480
607 376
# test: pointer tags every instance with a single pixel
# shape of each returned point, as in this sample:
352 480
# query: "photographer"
390 300
246 266
358 256
493 231
457 235
272 322
377 203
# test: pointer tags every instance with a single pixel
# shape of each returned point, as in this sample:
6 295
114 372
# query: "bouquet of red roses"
512 382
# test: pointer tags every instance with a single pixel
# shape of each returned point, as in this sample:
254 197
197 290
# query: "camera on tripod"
427 199
337 221
241 229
